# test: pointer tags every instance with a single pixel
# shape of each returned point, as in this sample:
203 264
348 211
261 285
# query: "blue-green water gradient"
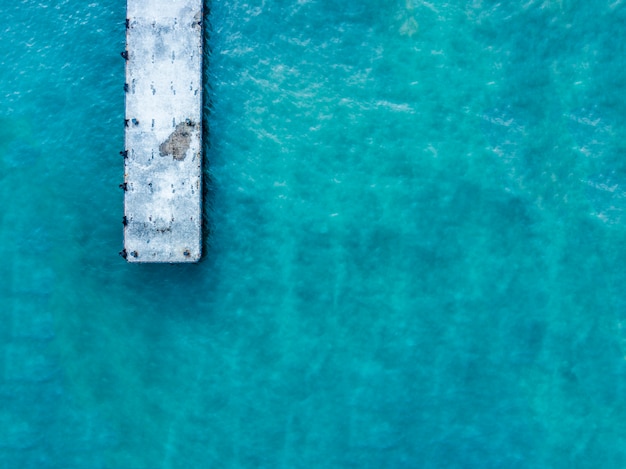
415 255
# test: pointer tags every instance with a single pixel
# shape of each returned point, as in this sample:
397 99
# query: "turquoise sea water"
416 256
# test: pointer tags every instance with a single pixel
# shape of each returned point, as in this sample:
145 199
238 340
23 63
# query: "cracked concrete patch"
178 142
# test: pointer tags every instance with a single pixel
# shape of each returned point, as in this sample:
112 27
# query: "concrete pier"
163 126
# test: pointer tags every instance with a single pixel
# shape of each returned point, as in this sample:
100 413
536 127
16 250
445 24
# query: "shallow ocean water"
415 253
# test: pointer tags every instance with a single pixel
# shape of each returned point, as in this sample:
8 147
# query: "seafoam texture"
415 257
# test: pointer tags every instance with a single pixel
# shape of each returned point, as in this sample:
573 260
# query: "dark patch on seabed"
178 142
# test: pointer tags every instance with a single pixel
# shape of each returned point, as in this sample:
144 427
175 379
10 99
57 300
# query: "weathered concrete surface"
163 163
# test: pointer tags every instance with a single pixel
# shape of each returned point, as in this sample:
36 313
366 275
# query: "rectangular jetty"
163 131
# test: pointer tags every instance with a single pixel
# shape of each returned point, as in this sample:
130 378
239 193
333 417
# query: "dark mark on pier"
197 20
166 229
178 142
